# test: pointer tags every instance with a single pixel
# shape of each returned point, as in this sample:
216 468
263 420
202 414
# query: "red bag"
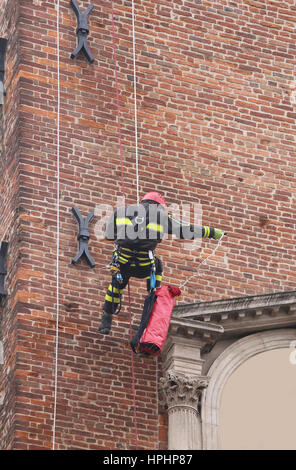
155 334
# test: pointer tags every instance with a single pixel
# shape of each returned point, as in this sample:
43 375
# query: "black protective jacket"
143 226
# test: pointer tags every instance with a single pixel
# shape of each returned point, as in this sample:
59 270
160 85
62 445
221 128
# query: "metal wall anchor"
3 270
83 236
82 31
3 46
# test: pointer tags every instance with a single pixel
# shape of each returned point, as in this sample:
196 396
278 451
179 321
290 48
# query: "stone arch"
222 368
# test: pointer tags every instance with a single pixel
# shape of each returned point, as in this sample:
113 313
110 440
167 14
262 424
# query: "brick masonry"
216 112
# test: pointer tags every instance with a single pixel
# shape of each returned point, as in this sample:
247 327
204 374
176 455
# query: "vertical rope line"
135 101
133 371
117 102
157 400
123 193
138 201
58 228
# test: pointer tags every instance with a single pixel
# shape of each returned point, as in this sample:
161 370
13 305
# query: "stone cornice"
195 329
243 314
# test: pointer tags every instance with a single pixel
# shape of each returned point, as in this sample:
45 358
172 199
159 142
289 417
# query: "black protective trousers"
115 289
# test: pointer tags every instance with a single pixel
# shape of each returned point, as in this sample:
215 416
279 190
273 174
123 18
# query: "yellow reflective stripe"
123 260
115 289
137 253
123 221
109 298
207 232
156 227
158 277
144 264
126 258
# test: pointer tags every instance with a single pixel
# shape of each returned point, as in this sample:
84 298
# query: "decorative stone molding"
243 315
182 390
182 394
203 339
183 382
185 341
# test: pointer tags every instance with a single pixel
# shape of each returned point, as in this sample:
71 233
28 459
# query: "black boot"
106 323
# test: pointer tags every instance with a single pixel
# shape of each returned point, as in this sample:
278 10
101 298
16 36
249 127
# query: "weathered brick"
216 127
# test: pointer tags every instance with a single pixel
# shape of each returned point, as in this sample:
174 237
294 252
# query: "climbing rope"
117 102
138 201
203 262
135 100
123 182
58 227
133 371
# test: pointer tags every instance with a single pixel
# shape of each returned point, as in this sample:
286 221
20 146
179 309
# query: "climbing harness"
128 258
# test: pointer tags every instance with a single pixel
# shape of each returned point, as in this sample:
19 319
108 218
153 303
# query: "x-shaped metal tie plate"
83 236
82 31
3 270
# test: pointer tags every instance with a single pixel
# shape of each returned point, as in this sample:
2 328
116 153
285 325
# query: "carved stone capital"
181 390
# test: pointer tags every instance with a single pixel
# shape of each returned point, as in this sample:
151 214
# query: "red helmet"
153 196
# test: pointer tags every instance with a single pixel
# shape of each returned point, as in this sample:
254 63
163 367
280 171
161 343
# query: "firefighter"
136 231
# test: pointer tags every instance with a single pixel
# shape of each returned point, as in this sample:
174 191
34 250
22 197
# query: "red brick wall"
9 226
216 128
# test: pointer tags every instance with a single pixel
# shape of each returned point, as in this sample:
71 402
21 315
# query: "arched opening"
258 407
227 363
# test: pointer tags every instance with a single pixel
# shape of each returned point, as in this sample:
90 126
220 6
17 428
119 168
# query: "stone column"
182 394
183 382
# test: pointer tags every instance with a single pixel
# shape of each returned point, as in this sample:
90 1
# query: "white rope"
58 228
203 262
135 101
